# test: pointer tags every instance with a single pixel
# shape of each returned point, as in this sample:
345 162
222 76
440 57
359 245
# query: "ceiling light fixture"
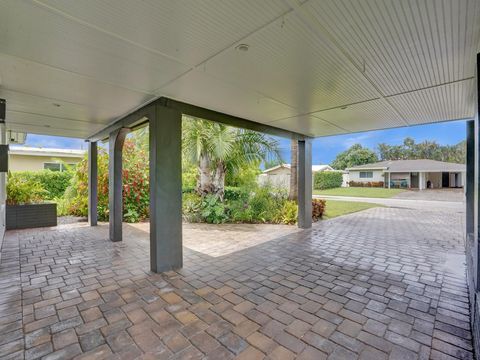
242 47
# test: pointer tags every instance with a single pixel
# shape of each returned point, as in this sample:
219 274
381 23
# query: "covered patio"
341 290
360 286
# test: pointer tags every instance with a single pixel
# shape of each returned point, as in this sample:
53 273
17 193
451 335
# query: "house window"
366 174
54 166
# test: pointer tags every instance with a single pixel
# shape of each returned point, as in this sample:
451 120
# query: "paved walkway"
454 195
424 205
382 283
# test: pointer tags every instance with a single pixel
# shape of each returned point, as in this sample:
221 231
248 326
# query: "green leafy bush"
288 214
327 180
191 205
53 182
212 209
21 190
136 196
236 193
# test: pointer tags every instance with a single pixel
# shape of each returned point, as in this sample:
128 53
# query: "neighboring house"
33 159
279 176
414 174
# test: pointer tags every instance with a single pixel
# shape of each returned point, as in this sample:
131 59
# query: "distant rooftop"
424 165
287 166
35 151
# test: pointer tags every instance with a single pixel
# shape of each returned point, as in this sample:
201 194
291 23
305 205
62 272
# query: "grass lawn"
360 192
338 208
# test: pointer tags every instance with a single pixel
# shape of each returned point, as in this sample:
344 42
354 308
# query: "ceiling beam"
143 114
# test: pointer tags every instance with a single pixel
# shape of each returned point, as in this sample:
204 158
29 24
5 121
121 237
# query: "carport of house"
294 69
425 179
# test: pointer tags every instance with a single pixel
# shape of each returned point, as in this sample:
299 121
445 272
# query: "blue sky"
324 149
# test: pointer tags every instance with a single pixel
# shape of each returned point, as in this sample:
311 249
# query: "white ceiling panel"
30 32
188 30
21 102
308 125
441 103
32 78
370 115
201 89
291 64
22 121
404 45
386 63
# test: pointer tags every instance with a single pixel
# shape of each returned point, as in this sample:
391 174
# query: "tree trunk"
205 185
293 194
219 180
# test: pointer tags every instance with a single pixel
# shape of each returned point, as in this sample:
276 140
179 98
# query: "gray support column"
92 183
470 178
304 184
115 205
472 216
166 251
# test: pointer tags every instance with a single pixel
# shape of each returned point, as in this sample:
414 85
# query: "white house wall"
354 175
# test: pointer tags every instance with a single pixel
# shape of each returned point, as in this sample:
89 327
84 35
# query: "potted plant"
25 206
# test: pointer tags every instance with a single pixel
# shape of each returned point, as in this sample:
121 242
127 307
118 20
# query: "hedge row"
327 180
54 182
366 184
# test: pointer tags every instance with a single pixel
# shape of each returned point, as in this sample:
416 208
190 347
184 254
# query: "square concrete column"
304 184
470 178
166 251
92 183
115 188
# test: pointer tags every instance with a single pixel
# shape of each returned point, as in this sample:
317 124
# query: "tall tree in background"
293 193
424 150
354 156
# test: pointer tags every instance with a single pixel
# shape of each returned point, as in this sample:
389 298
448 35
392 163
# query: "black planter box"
31 216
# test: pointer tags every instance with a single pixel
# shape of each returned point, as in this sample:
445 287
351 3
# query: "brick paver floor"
382 283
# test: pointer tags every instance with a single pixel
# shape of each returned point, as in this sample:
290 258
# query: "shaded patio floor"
382 283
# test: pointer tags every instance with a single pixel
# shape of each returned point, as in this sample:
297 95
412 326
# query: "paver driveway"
383 283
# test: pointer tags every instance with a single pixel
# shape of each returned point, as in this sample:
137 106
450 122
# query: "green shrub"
53 182
240 211
236 193
189 176
136 196
244 177
191 205
288 213
212 209
21 190
366 183
265 203
327 180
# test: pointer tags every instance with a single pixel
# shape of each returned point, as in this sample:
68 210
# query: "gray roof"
412 166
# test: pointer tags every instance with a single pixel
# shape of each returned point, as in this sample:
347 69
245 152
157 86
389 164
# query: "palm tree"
217 148
293 193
